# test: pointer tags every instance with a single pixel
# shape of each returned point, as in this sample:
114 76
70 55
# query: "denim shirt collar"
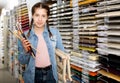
33 32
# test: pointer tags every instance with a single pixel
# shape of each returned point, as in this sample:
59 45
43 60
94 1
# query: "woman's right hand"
26 44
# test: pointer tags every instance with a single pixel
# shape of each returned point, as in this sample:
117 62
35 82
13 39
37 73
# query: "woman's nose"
40 18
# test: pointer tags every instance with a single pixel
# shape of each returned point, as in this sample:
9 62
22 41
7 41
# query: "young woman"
42 68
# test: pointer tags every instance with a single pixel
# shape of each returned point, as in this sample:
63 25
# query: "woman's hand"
26 44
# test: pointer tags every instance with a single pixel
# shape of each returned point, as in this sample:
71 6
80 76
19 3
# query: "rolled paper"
109 51
93 41
25 28
105 3
109 14
88 33
76 54
24 20
114 33
93 57
66 37
87 48
15 33
88 10
75 72
64 26
92 21
113 39
66 33
108 8
22 11
88 14
85 2
87 18
87 45
25 25
76 67
88 37
23 14
110 45
93 73
23 17
24 6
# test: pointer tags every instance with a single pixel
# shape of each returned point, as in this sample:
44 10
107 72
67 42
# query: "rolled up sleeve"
23 57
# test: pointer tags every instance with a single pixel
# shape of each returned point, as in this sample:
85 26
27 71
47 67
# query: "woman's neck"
38 30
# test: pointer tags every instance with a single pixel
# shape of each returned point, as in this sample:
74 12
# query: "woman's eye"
36 15
43 16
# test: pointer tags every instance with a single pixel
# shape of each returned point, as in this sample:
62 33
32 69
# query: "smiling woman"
45 39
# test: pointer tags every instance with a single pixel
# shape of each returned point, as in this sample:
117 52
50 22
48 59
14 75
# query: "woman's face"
40 17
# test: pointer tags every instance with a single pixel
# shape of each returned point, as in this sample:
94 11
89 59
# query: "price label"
75 3
75 31
101 45
75 46
104 27
75 23
102 39
102 33
76 9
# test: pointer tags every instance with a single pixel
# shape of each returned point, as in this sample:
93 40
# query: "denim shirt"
26 59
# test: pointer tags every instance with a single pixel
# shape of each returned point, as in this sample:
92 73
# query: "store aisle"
5 76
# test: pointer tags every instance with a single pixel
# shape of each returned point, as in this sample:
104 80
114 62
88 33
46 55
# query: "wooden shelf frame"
110 75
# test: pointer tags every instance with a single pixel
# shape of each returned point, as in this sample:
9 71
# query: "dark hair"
44 6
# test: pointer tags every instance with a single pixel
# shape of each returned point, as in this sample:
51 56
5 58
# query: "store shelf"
110 75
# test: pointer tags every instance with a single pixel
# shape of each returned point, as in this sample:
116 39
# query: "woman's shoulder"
53 29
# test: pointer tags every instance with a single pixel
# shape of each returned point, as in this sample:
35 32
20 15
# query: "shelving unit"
90 31
60 18
86 30
108 40
2 45
17 16
61 15
84 55
11 44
